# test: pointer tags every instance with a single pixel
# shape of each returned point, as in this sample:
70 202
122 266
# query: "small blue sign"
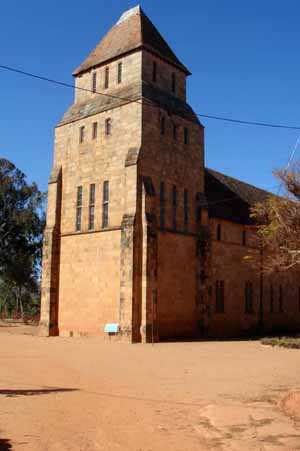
111 328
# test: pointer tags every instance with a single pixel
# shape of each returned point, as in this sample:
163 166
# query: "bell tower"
125 195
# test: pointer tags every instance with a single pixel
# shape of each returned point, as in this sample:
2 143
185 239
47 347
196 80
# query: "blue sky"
244 57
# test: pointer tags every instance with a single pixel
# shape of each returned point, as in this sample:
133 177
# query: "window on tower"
162 204
175 129
163 125
92 207
186 208
95 130
174 207
105 204
106 78
186 135
120 70
94 82
78 209
81 134
108 126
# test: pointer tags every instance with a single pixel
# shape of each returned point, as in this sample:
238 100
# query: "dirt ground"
61 394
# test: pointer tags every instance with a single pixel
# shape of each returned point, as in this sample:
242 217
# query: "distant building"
138 232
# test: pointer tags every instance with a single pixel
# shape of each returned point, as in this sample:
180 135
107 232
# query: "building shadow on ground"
5 445
37 392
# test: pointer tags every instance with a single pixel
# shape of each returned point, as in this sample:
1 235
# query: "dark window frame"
186 136
95 130
174 207
186 208
175 132
162 200
81 134
163 125
120 73
106 78
79 198
92 198
105 204
108 126
94 82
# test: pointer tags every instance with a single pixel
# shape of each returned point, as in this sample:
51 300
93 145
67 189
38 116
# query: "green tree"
21 231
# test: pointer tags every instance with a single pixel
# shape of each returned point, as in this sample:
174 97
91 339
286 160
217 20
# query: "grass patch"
284 342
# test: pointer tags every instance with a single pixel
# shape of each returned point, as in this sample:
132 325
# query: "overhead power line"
127 99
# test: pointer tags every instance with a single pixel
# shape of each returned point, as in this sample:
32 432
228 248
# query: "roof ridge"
136 10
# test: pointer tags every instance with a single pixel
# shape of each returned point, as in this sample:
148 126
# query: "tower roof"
133 31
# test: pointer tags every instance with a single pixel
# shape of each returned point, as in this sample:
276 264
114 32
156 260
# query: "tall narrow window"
120 70
106 78
105 204
280 299
78 209
248 297
173 82
174 207
163 125
198 209
94 82
219 232
154 72
108 126
175 128
244 237
95 130
271 298
162 199
81 134
186 207
92 207
220 301
186 135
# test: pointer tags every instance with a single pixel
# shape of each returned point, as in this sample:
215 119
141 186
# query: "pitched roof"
134 30
229 198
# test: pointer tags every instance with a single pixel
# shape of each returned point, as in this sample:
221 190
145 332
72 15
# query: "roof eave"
78 71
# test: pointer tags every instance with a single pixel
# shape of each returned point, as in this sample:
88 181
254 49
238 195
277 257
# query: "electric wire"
128 99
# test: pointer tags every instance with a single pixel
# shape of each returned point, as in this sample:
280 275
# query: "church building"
142 242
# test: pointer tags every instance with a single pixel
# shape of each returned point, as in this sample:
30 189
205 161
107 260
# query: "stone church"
142 241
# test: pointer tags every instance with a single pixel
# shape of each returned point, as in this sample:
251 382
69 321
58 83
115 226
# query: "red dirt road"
60 394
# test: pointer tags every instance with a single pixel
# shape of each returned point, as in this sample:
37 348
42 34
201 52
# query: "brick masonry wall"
228 264
164 73
131 74
89 282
